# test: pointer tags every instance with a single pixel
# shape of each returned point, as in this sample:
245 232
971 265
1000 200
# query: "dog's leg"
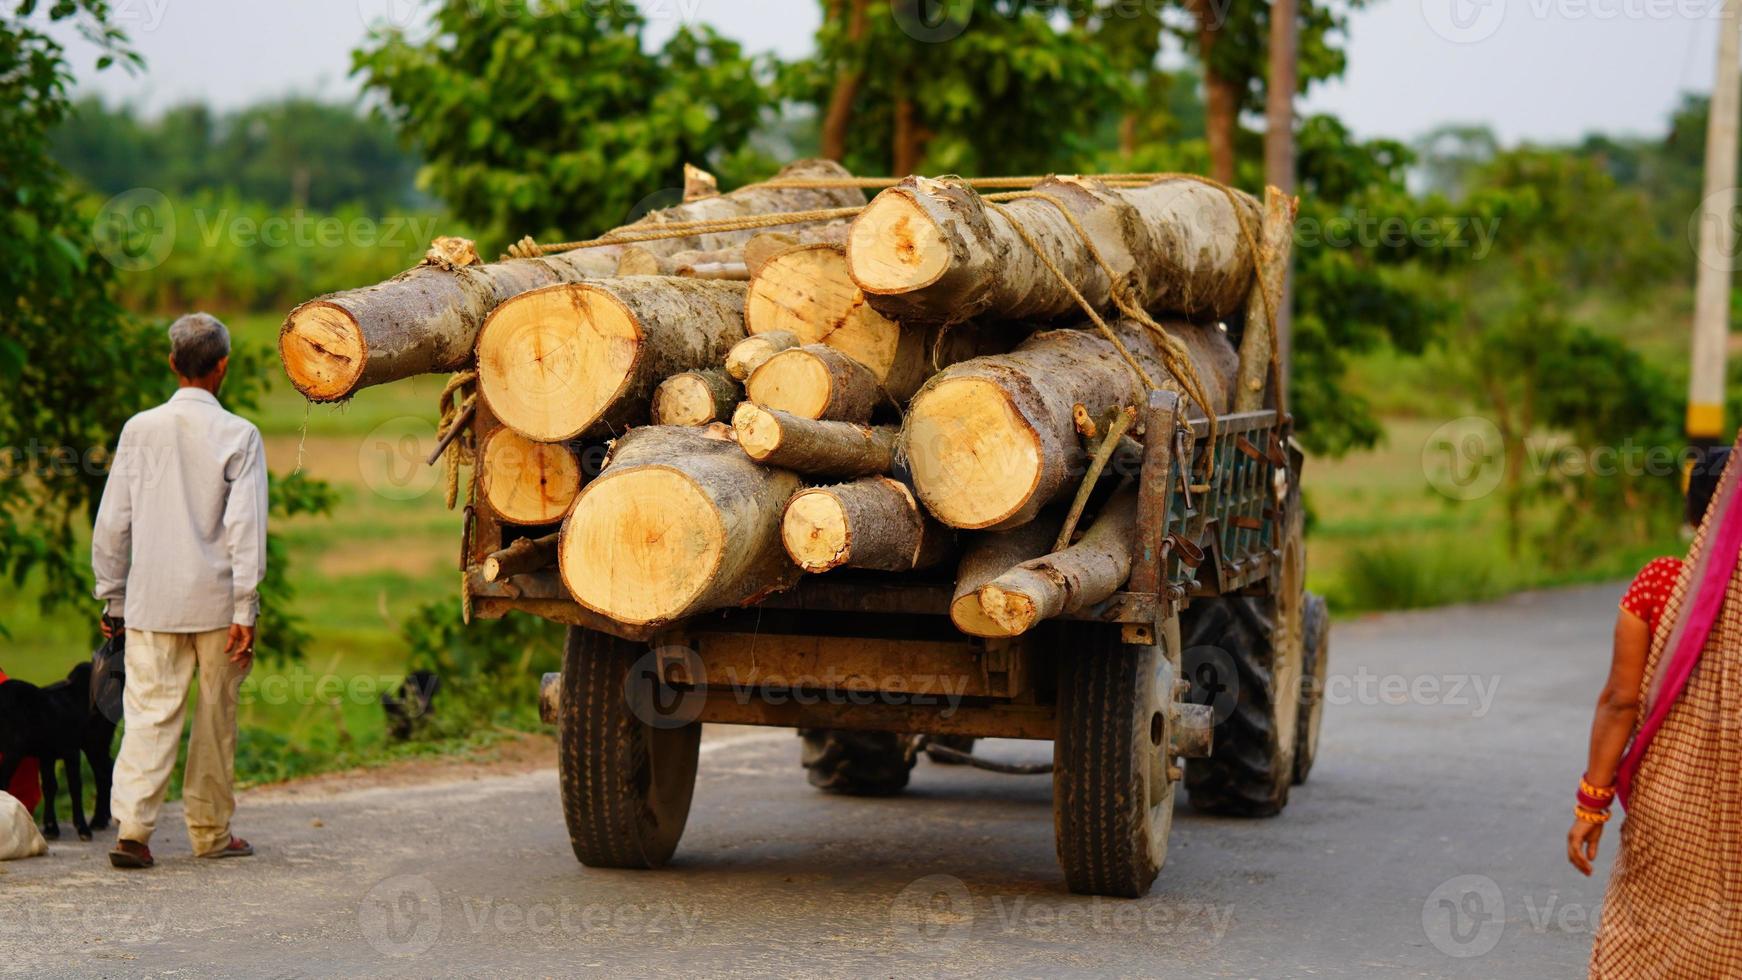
50 789
103 770
76 790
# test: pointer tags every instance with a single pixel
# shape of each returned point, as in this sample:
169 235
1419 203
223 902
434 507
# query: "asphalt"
1428 843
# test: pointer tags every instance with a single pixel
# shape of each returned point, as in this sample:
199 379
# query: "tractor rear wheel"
627 768
1315 667
1231 661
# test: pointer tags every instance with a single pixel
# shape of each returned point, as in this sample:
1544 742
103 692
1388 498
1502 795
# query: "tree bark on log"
841 450
678 523
579 358
815 382
523 555
1275 247
748 354
724 263
426 320
870 523
933 251
987 556
1065 581
526 482
992 440
695 398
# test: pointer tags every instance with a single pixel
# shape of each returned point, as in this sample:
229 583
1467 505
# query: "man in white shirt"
179 548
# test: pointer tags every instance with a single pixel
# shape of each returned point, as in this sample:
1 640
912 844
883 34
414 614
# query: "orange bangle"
1591 816
1597 792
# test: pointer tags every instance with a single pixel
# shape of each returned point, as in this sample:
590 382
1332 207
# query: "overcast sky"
1542 70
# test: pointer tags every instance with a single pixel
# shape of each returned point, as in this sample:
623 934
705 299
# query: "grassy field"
1380 537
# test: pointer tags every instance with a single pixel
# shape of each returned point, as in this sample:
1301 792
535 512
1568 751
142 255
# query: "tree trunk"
870 523
837 120
841 450
1221 95
678 523
988 556
523 555
695 398
748 354
580 358
526 482
992 440
1276 241
427 320
815 382
808 291
1066 581
932 251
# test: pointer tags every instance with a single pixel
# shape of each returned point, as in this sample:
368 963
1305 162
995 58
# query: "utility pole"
1279 155
1705 422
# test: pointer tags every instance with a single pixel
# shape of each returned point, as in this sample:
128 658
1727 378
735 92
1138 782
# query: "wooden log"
815 382
695 398
522 555
988 555
1275 247
724 263
929 250
871 523
678 523
991 440
841 450
577 358
1070 580
427 319
748 354
526 482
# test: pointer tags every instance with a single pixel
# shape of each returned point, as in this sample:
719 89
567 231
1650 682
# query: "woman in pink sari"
1667 742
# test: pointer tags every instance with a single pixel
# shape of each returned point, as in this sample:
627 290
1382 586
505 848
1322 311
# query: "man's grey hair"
197 342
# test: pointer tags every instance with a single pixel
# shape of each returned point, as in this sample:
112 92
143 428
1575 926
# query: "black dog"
56 724
407 707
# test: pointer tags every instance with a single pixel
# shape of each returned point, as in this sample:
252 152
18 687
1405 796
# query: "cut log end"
815 382
816 531
749 354
526 482
1011 612
642 544
975 459
694 398
758 431
323 351
895 247
551 360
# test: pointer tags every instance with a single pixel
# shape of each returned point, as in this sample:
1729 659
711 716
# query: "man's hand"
240 647
111 626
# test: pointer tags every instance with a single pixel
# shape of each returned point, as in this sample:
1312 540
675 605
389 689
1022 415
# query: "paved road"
1427 844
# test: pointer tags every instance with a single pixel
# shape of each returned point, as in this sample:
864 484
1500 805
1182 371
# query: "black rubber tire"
856 763
1112 799
626 782
1228 660
1315 666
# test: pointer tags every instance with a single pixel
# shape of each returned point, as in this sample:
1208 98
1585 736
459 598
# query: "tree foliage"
551 117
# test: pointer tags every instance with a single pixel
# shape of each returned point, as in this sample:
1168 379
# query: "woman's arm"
1617 713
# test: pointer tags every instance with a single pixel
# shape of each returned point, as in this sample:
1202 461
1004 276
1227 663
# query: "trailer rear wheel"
1112 786
627 772
856 763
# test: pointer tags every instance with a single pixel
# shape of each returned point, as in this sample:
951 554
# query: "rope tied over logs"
454 442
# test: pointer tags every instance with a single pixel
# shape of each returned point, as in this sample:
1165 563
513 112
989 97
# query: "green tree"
552 118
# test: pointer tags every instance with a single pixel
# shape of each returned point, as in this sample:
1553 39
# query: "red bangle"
1590 802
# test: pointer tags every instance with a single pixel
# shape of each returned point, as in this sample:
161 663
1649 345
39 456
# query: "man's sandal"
131 854
237 848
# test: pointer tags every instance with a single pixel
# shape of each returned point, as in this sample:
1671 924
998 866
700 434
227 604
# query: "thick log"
695 398
523 555
724 263
870 523
841 450
748 354
929 250
988 555
427 319
1066 581
526 482
678 523
991 440
1275 247
815 382
579 358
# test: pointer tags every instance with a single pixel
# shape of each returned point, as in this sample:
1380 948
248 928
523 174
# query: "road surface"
1428 843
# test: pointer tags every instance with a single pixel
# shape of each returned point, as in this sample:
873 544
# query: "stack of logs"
915 389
